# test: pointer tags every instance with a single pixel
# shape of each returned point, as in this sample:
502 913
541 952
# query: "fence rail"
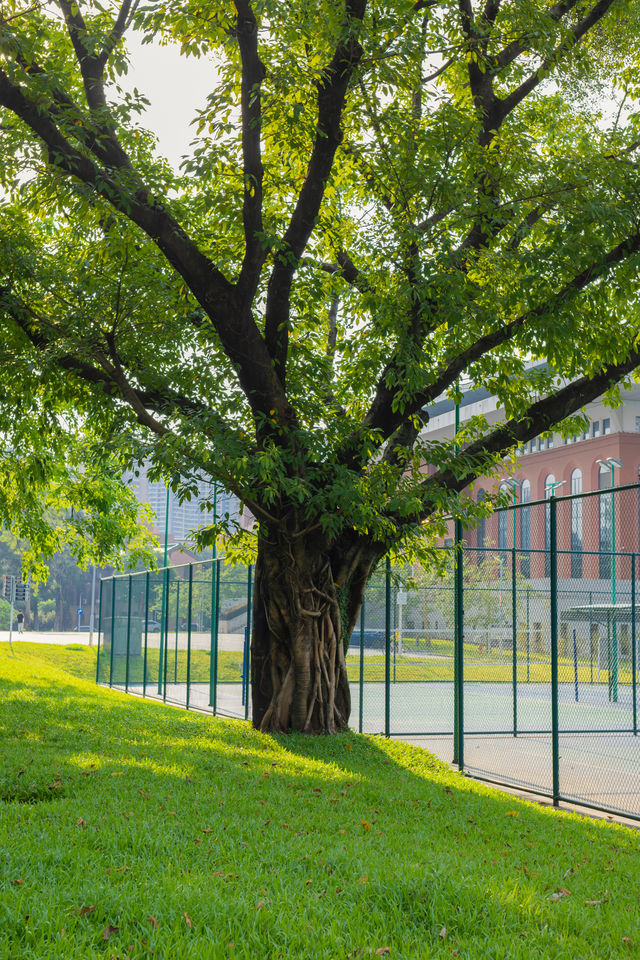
524 656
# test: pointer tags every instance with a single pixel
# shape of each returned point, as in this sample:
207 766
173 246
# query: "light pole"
515 486
611 463
163 614
93 604
458 648
550 492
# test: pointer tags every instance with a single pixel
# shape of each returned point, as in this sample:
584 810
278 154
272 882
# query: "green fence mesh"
534 683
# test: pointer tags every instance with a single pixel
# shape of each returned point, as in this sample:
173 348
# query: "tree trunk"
299 674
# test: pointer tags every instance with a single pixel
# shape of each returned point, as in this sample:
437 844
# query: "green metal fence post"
212 633
553 584
528 634
166 640
360 706
215 618
515 640
99 632
175 661
459 660
126 674
164 619
247 674
457 546
394 627
456 660
387 648
591 636
189 609
146 636
633 645
113 629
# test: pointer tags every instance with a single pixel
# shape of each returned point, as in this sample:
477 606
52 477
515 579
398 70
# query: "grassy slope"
247 846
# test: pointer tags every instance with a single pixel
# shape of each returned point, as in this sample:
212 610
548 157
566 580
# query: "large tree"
382 196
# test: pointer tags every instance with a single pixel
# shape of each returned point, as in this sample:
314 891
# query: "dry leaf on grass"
153 921
109 930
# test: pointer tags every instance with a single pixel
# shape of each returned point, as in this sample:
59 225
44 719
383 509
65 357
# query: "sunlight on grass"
129 827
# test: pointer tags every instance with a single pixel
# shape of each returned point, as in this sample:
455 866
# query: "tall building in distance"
190 515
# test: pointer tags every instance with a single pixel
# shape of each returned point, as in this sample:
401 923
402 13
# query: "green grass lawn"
132 829
408 667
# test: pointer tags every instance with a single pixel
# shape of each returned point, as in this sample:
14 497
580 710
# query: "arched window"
605 517
482 530
502 522
576 525
548 490
525 530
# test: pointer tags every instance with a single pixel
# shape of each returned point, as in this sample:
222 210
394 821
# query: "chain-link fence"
523 651
180 634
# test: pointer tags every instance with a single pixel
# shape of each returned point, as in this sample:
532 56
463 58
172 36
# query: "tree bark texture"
299 673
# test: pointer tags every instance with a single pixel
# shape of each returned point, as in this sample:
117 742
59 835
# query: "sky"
176 86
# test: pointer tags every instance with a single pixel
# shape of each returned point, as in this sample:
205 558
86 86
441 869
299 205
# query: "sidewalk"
60 639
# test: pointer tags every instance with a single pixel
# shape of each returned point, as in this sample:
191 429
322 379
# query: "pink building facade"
591 526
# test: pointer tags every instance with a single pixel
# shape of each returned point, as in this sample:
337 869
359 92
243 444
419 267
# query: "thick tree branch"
538 418
236 328
517 47
332 90
156 395
253 73
496 338
486 105
577 32
491 112
92 68
491 10
384 420
123 20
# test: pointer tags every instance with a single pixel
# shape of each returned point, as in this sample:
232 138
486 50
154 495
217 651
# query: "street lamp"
610 463
549 491
550 488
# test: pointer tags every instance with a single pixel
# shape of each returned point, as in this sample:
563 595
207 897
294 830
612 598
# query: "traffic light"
6 588
21 590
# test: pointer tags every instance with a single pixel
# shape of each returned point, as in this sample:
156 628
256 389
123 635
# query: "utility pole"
93 604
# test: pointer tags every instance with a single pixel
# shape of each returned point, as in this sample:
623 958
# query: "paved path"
60 639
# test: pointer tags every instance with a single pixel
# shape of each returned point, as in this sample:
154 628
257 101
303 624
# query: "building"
190 515
586 528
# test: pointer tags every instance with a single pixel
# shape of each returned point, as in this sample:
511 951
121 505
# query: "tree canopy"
380 198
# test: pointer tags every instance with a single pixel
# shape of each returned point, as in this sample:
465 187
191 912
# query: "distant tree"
381 198
52 603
